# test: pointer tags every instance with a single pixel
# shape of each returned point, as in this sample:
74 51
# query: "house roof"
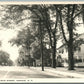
61 46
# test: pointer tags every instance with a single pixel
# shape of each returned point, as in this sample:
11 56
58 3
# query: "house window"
62 51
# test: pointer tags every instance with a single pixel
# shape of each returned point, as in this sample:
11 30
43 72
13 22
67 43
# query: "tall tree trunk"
53 58
70 56
70 49
41 36
54 54
70 26
42 54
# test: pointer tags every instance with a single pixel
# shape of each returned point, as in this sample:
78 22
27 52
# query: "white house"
78 55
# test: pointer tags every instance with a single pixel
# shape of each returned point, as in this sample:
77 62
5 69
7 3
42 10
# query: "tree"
37 54
22 8
43 13
67 16
4 59
70 21
24 39
10 62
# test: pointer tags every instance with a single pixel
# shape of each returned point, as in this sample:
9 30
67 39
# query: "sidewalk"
67 73
77 73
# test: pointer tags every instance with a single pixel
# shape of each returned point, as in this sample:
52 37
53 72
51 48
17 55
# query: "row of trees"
48 23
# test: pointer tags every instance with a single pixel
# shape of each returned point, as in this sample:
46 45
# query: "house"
78 54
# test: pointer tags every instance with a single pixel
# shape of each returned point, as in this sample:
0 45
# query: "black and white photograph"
41 41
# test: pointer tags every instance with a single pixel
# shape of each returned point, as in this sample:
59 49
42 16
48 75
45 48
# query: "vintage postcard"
41 41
